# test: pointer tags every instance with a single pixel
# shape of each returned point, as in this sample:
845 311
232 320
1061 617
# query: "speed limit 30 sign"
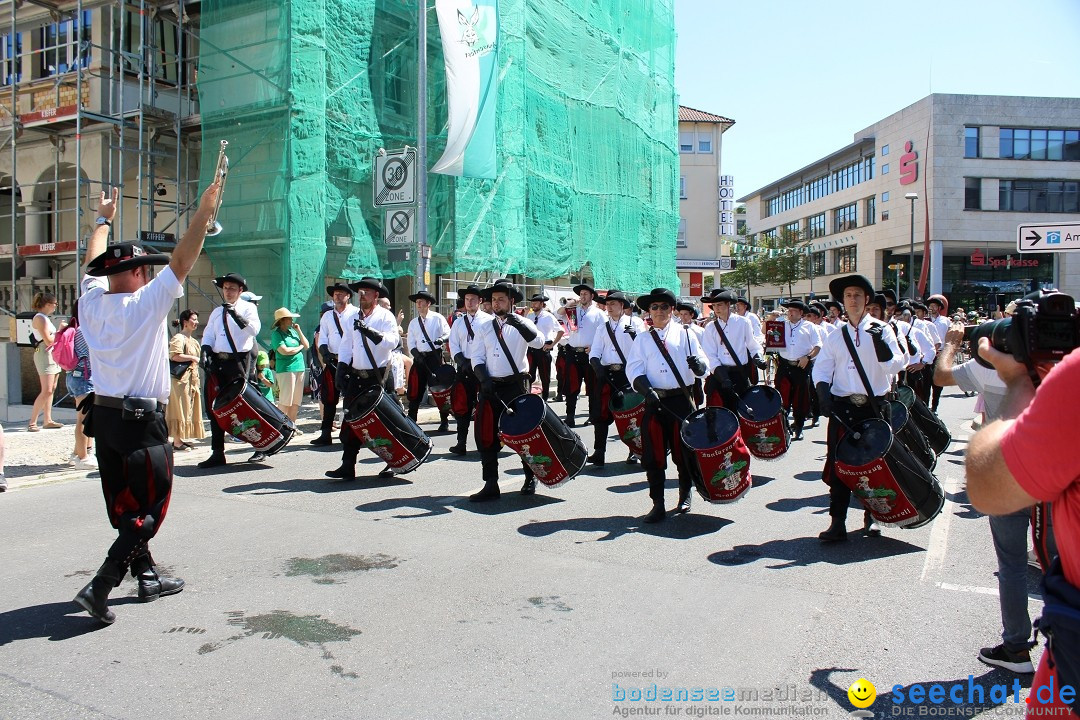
395 178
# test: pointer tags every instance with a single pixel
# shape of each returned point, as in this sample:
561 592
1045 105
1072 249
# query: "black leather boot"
151 584
325 438
94 597
870 526
215 460
597 459
837 532
656 514
489 492
444 423
571 411
685 498
529 488
347 471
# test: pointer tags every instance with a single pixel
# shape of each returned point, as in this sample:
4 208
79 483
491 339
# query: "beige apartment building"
956 173
706 200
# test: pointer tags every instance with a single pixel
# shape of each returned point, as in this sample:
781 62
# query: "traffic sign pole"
421 148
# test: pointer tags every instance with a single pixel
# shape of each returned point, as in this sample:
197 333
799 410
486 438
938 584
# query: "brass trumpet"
221 173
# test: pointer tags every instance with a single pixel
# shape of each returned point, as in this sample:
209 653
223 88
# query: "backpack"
63 350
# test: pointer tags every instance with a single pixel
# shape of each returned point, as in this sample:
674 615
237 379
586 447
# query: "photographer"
1026 457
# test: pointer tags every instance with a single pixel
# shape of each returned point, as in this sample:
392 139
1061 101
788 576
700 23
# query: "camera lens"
997 332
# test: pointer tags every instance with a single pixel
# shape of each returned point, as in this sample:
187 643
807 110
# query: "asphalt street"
399 598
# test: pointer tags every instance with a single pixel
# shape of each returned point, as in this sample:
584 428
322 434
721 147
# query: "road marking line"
939 535
967 588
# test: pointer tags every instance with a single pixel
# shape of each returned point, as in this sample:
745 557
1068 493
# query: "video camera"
1045 327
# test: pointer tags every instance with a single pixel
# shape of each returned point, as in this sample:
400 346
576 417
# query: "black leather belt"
116 403
616 367
508 379
668 393
578 351
366 373
856 399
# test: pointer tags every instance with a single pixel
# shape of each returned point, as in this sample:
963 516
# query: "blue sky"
800 78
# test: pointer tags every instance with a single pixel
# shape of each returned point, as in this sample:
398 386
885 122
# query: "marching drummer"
688 317
801 345
610 348
844 396
428 331
552 331
332 332
583 318
500 363
228 338
363 362
742 309
662 366
731 348
463 340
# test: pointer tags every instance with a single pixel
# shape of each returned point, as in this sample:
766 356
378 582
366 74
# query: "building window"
817 263
971 142
793 230
885 169
871 210
65 46
686 142
1046 196
1040 144
704 142
845 259
395 83
973 193
884 150
680 239
841 179
844 218
815 226
682 187
10 59
884 215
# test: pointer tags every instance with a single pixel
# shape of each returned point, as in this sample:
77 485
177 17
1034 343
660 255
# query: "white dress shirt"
352 350
924 343
127 335
585 322
602 347
492 354
755 323
739 333
800 339
834 364
328 329
646 359
214 331
461 341
437 328
931 331
546 323
942 324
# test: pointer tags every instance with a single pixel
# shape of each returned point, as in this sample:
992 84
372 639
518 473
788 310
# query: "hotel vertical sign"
727 205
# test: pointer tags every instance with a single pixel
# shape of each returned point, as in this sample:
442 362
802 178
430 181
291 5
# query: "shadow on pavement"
629 488
796 504
315 485
802 552
432 505
809 475
759 480
968 511
54 621
681 527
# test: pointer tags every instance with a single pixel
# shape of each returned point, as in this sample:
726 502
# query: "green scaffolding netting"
306 92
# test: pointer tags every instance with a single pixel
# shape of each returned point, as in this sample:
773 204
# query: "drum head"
230 392
898 415
760 403
905 394
709 427
443 377
368 398
526 412
875 437
629 401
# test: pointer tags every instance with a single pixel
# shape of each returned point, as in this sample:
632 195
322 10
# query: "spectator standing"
288 343
184 413
43 337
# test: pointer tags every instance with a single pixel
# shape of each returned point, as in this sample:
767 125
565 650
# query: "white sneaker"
87 463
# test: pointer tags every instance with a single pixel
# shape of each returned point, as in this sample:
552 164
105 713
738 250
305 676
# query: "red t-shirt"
1041 453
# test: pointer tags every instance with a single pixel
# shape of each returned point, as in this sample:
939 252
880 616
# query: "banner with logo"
470 40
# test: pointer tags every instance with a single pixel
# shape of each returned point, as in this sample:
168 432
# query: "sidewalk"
40 458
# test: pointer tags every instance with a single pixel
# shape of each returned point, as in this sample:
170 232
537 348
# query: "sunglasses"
659 306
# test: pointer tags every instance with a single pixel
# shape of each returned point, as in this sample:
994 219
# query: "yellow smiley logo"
862 693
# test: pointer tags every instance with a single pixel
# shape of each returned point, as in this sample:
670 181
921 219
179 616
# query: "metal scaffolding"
123 73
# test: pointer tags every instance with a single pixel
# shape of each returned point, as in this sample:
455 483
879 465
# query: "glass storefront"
983 278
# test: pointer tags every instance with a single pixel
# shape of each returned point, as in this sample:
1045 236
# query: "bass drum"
442 380
379 424
243 412
721 462
552 450
895 487
764 423
910 435
936 433
629 411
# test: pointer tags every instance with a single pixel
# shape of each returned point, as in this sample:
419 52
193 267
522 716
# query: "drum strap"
727 344
371 359
468 326
671 363
615 343
228 334
340 332
509 358
862 371
420 322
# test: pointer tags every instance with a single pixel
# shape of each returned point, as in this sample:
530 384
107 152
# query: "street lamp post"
911 251
897 267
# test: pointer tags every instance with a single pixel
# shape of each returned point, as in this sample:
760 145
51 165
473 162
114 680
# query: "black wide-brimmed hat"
657 295
423 295
584 286
890 295
502 285
797 304
815 309
720 295
837 286
919 306
688 307
231 277
338 286
830 304
744 301
539 297
371 283
471 289
618 295
123 257
878 299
